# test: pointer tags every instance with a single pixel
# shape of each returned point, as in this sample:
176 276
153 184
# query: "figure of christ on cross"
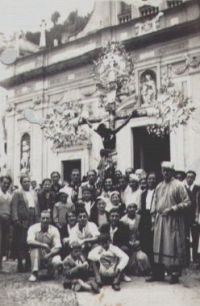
108 135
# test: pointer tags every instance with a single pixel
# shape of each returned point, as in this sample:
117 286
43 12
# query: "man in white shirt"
45 245
112 261
85 232
132 193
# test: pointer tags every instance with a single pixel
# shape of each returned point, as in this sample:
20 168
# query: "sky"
26 15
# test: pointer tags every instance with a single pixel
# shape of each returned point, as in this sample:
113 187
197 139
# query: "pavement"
138 292
15 290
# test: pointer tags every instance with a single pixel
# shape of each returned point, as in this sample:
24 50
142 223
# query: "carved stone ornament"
190 62
148 26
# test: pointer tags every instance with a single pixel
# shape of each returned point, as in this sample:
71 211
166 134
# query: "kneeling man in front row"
45 244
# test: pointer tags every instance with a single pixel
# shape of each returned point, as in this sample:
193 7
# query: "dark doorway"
150 150
68 166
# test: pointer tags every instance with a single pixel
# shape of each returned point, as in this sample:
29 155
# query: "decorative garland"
171 107
61 126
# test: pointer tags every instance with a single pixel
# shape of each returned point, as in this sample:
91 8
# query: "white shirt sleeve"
94 254
56 238
73 235
94 229
123 258
31 233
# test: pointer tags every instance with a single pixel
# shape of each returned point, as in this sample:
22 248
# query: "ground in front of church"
15 290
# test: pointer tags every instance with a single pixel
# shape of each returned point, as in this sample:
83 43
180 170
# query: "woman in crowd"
107 188
46 197
99 215
116 202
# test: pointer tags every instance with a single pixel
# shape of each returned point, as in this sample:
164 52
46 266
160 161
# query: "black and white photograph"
99 152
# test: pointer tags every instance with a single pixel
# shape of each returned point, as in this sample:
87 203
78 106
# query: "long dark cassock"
169 231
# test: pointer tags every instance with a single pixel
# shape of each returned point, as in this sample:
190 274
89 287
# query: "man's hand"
84 266
167 211
46 257
46 247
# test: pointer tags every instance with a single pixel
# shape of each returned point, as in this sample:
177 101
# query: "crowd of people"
98 231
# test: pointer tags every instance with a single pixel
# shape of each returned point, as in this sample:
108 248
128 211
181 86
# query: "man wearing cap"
170 202
132 193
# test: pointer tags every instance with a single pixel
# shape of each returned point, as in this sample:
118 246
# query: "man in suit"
145 226
118 232
24 212
191 225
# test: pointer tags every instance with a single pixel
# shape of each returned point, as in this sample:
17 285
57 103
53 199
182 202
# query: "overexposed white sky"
26 15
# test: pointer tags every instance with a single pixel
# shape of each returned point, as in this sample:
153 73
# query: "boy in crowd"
60 209
76 271
108 262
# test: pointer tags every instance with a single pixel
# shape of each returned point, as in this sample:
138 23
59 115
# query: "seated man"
85 232
108 262
45 245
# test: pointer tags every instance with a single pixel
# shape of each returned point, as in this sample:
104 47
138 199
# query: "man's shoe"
126 279
116 287
154 279
76 287
20 268
67 284
32 278
150 279
174 279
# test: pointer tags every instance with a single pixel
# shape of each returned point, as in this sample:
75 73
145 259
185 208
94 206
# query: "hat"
106 200
63 190
167 165
114 192
74 244
141 173
133 177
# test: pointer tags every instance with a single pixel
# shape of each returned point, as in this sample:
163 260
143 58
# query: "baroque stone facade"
166 41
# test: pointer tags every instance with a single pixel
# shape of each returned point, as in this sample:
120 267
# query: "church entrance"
149 150
68 166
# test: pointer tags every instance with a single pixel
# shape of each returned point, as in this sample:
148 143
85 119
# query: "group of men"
100 232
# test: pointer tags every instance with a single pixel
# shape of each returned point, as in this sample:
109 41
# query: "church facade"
158 39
